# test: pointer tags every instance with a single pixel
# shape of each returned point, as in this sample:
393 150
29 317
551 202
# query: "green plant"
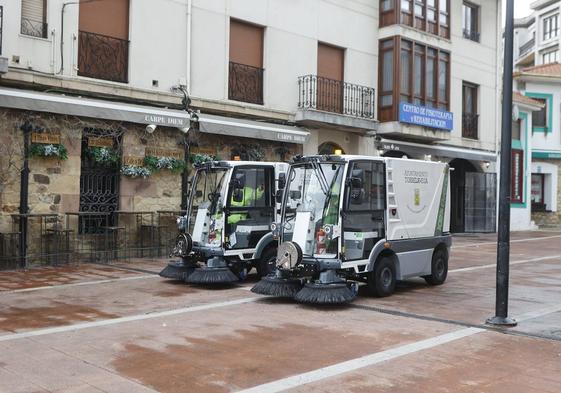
197 158
159 163
43 150
104 155
135 171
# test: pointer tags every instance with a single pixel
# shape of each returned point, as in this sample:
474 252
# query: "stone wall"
54 185
551 218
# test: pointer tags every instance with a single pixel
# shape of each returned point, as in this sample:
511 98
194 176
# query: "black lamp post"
503 246
24 194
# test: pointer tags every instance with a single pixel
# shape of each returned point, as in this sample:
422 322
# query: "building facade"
538 76
260 80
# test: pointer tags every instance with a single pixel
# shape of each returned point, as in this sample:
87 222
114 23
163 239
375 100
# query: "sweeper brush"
274 286
337 293
176 270
211 275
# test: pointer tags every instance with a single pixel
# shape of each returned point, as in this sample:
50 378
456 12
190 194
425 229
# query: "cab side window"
363 222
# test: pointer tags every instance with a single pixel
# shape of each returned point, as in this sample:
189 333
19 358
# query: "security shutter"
34 10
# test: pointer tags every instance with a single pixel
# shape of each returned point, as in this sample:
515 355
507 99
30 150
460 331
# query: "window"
363 221
537 190
245 79
517 185
421 77
539 118
550 27
331 70
431 16
516 130
550 57
469 111
34 18
470 21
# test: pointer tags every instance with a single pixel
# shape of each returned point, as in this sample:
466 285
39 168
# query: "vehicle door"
363 208
250 206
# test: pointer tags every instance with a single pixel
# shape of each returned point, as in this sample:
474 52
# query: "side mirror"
296 194
278 196
356 182
356 191
237 195
198 194
282 180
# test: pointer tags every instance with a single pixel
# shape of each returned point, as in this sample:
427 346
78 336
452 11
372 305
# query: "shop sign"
100 142
162 152
163 120
133 160
426 117
284 137
46 138
517 174
203 150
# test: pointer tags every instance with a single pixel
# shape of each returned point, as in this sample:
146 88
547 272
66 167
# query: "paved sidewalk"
113 329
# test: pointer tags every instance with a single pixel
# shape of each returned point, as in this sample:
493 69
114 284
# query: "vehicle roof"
232 163
351 157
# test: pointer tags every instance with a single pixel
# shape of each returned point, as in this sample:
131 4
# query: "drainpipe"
188 49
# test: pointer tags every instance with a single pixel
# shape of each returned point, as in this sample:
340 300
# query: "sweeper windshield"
209 192
313 192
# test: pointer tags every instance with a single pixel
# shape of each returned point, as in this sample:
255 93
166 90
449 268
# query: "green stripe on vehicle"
442 207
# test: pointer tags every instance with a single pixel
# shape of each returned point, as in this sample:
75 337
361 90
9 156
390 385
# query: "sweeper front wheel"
381 281
268 262
439 268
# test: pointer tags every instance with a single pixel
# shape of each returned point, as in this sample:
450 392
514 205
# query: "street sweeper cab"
348 219
226 230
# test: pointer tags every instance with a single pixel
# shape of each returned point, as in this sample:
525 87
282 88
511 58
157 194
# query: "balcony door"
331 71
103 40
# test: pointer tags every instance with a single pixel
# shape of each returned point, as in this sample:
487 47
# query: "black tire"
267 264
381 281
439 267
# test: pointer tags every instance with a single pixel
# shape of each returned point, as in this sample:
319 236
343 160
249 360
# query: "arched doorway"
458 193
329 148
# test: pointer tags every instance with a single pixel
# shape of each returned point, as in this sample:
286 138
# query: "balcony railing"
527 47
471 35
316 92
34 28
245 83
470 125
103 57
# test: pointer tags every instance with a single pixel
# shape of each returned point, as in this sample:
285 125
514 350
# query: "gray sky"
522 8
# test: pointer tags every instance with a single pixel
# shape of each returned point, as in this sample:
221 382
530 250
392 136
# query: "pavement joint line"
78 284
467 269
130 318
386 355
361 362
531 239
132 269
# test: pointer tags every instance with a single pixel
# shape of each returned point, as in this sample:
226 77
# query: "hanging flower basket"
103 155
50 150
197 159
135 171
158 163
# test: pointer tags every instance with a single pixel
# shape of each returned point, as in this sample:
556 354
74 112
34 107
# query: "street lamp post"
503 246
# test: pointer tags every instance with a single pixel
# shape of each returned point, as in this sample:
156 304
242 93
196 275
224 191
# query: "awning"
98 109
437 150
251 129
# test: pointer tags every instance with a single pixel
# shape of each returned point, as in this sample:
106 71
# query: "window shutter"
33 10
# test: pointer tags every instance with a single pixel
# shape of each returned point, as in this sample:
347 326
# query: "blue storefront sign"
426 117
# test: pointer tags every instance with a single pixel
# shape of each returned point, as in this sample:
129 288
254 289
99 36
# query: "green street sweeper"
226 230
349 219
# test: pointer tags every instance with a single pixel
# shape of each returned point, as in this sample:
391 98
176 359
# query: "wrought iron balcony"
245 83
34 28
103 57
527 47
323 94
471 35
470 125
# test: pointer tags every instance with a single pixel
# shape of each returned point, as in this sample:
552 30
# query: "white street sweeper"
348 219
226 230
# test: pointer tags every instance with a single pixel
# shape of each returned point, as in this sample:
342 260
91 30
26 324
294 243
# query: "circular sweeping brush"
175 270
314 293
278 287
212 275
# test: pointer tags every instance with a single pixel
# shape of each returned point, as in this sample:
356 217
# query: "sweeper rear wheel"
381 281
439 267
